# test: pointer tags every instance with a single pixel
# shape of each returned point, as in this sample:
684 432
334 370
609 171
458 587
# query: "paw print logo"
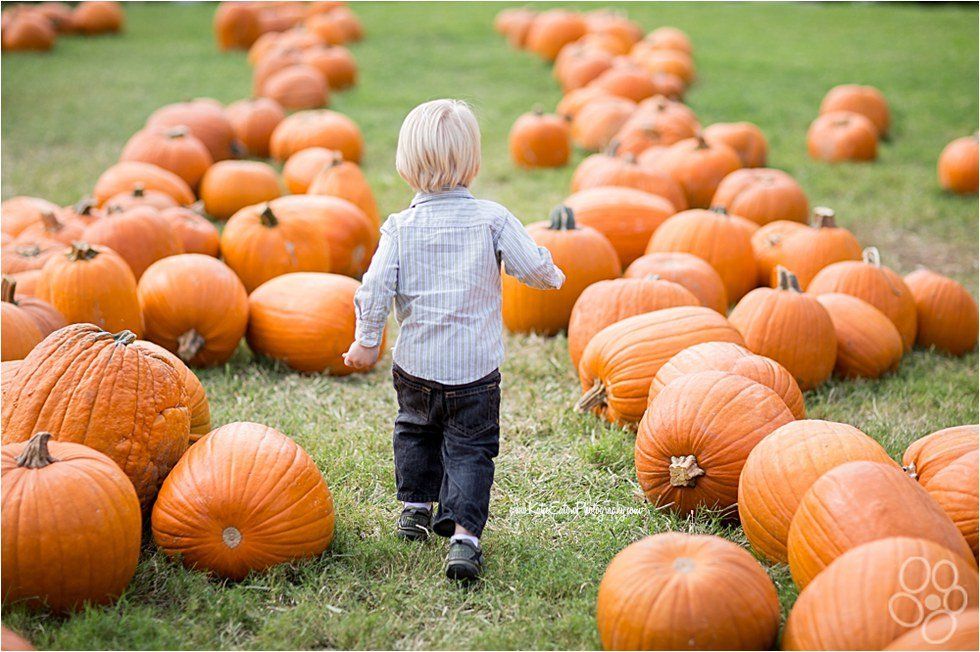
929 594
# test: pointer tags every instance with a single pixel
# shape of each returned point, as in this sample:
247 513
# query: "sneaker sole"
411 535
462 571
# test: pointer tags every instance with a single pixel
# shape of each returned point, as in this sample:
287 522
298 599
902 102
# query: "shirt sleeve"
372 301
524 259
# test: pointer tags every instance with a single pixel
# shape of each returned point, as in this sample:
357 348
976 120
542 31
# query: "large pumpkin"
806 251
842 136
343 179
206 121
302 167
608 169
221 518
745 138
253 121
585 257
621 360
607 302
685 269
696 435
863 601
861 501
89 284
627 217
196 233
946 313
954 488
767 245
699 166
676 591
171 148
45 316
958 165
791 327
927 456
944 631
66 506
762 195
318 128
306 320
82 375
781 468
537 140
229 186
19 330
865 100
194 306
197 398
139 235
868 344
126 176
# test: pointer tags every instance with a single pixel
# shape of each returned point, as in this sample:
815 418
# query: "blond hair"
439 146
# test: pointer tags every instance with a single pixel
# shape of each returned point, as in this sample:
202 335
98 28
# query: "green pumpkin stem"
787 279
139 190
562 219
36 455
125 337
82 251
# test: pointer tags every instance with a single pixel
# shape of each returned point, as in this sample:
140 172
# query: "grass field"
66 115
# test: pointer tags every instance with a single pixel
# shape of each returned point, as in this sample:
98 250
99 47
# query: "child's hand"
361 357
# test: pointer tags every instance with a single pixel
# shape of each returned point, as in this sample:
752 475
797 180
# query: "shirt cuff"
369 334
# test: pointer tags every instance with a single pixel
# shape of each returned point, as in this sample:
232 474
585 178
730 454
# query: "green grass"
67 114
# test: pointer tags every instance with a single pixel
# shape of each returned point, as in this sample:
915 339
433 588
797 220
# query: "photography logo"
929 594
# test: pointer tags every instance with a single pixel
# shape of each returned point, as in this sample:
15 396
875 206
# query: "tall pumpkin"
621 360
206 121
317 128
954 488
66 506
171 148
194 306
135 395
675 591
222 519
126 176
343 179
946 313
696 435
927 456
868 344
582 253
699 166
781 468
762 195
685 269
958 165
139 235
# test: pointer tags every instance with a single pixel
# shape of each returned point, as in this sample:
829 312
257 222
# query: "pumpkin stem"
51 222
787 279
231 537
7 289
197 207
268 218
630 158
238 149
911 471
871 256
824 218
538 110
593 398
124 338
652 277
139 190
189 345
84 206
684 471
36 455
611 148
721 210
562 218
28 250
82 251
178 131
702 143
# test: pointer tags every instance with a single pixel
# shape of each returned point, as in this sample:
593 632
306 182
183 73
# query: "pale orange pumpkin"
868 344
578 64
127 175
350 235
171 148
45 316
302 167
867 101
335 63
745 138
595 124
343 179
552 30
20 212
608 169
929 455
140 236
197 234
946 312
805 251
206 120
958 165
297 87
253 121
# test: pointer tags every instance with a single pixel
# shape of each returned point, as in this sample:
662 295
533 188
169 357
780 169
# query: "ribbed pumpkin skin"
964 627
868 344
206 121
345 180
745 138
537 140
699 167
724 241
305 320
608 302
197 399
297 87
857 502
92 285
195 307
958 165
684 269
225 520
842 136
350 235
781 468
946 313
24 257
762 195
954 488
229 186
254 120
864 100
320 128
171 148
196 233
623 358
82 375
45 316
607 169
78 512
627 217
8 370
127 175
717 418
767 245
847 606
776 377
139 235
928 455
675 591
19 331
598 121
806 251
302 167
20 212
583 255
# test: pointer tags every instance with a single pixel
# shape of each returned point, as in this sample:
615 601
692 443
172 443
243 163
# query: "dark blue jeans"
446 437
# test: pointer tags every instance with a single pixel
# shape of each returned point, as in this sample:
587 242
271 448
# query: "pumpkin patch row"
36 27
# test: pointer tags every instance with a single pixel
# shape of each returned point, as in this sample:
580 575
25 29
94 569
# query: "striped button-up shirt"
440 262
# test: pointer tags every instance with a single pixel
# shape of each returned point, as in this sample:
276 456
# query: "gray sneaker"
414 524
464 562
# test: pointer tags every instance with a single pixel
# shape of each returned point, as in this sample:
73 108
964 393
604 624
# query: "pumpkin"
302 167
18 328
621 360
127 175
51 228
229 186
868 344
582 253
877 285
195 307
627 217
517 25
335 63
92 284
578 64
857 502
43 314
841 611
954 488
306 320
58 14
632 81
12 641
668 38
682 591
842 136
958 165
607 169
596 123
277 59
673 62
224 520
97 17
326 29
552 30
781 468
136 396
196 398
574 101
927 456
171 148
206 121
699 167
946 313
66 506
762 195
349 23
657 122
28 31
942 632
867 101
196 233
723 240
343 179
806 251
297 87
540 141
735 359
20 212
236 25
609 23
792 328
745 138
139 196
27 282
140 236
684 269
608 302
323 128
253 122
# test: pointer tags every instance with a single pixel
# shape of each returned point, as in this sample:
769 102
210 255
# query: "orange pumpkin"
140 236
326 29
196 400
43 314
223 520
684 269
699 167
595 124
781 468
868 344
954 488
657 122
297 87
574 101
19 330
206 121
552 30
605 22
663 593
302 167
92 284
516 26
229 186
696 435
668 38
607 169
236 25
578 64
946 313
139 196
944 631
276 60
927 456
842 136
350 236
323 128
28 31
621 360
540 141
767 245
867 101
630 80
343 179
127 175
20 212
745 138
253 122
958 165
19 257
171 148
805 251
335 63
51 228
669 61
762 195
196 233
97 17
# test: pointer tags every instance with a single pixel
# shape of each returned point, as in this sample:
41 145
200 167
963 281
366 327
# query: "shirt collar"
460 192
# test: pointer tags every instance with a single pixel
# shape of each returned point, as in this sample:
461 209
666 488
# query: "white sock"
426 506
466 537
